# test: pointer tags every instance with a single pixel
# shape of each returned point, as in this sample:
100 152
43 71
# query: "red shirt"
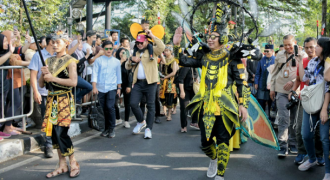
305 63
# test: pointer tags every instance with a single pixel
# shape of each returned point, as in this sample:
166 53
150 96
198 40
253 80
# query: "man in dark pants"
157 105
106 79
40 94
184 82
145 80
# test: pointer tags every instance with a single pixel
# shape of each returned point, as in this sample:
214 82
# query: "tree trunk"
324 16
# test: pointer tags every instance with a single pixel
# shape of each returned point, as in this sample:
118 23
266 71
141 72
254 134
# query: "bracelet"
119 88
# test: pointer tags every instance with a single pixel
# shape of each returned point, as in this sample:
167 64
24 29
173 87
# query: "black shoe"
112 133
105 133
157 120
282 153
48 152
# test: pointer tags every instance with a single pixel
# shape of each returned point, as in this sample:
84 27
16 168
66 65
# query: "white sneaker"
127 125
219 178
213 168
139 127
326 176
118 122
147 134
306 165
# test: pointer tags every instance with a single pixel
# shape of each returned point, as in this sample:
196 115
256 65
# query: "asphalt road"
169 155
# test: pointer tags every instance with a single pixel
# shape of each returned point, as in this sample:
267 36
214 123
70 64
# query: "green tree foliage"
45 15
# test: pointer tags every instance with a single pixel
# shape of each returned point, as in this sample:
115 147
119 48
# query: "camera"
294 100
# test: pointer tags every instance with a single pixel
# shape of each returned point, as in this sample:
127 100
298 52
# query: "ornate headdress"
61 35
219 22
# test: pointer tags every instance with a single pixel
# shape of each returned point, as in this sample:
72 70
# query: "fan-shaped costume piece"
157 30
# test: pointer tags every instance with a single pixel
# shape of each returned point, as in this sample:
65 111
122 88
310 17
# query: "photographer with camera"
283 78
309 46
317 115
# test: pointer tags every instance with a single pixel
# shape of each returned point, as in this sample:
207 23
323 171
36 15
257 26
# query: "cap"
269 46
141 38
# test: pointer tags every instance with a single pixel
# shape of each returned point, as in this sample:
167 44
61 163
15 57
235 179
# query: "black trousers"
183 104
157 103
61 140
140 89
219 131
127 97
263 104
107 101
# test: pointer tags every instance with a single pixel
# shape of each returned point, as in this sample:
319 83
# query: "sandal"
169 119
58 173
74 169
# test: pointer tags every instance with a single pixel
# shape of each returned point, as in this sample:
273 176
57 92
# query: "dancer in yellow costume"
61 73
218 110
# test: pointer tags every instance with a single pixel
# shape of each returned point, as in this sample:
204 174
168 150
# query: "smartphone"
27 31
295 50
15 28
93 44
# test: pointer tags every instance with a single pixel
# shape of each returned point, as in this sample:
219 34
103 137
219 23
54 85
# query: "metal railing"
22 115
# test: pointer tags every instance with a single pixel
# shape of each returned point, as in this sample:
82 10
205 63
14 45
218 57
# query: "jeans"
324 133
253 90
107 101
183 104
308 137
286 133
83 88
48 139
140 89
16 103
157 103
316 137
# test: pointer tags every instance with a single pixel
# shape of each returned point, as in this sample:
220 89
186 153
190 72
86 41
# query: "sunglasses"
108 49
211 36
266 51
139 43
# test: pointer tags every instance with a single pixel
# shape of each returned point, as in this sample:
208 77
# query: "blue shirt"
106 73
36 65
263 64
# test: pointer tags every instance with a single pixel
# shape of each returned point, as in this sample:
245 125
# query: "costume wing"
258 128
135 28
158 31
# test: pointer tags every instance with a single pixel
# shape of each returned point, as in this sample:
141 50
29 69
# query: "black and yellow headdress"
219 22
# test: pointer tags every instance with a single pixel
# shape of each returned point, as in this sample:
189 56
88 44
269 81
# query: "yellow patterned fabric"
60 109
223 158
57 65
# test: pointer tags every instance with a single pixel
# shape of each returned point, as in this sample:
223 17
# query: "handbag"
312 98
195 83
96 118
131 75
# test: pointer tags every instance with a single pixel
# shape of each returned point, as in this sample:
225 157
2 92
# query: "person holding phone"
91 38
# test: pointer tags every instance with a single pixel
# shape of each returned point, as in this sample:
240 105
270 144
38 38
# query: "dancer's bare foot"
75 169
59 171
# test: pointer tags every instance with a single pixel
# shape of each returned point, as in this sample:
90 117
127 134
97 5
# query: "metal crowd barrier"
22 115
